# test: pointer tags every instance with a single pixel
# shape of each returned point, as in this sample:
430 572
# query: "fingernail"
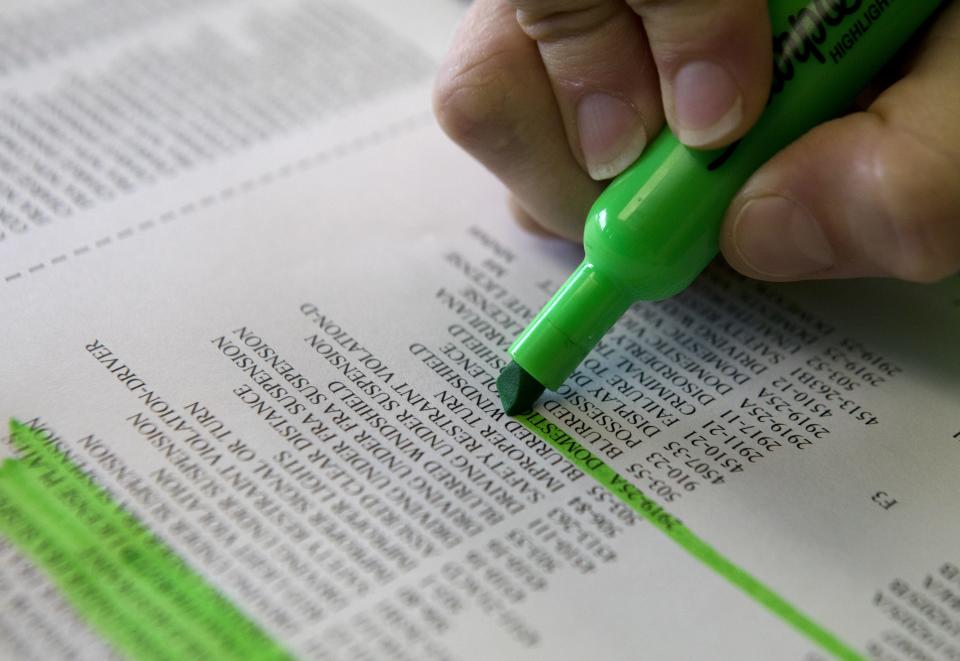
611 134
779 238
707 104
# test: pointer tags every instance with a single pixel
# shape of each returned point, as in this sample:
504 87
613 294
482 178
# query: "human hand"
557 96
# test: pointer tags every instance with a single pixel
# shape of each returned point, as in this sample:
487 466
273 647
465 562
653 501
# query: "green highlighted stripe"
679 533
130 587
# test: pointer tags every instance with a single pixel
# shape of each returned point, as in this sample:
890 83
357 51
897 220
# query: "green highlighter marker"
655 228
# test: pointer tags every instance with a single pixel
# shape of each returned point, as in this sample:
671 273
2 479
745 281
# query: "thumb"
872 194
852 198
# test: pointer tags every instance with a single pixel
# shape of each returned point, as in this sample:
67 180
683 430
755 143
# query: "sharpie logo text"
807 33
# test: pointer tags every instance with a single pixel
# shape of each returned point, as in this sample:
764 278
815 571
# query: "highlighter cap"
570 325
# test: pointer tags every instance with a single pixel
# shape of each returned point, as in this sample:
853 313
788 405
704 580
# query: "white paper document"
248 285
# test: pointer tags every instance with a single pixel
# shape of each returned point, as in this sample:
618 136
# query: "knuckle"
913 180
471 100
927 250
553 21
524 219
922 272
639 6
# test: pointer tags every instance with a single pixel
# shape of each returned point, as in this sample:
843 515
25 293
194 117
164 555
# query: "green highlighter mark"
143 599
131 588
679 533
